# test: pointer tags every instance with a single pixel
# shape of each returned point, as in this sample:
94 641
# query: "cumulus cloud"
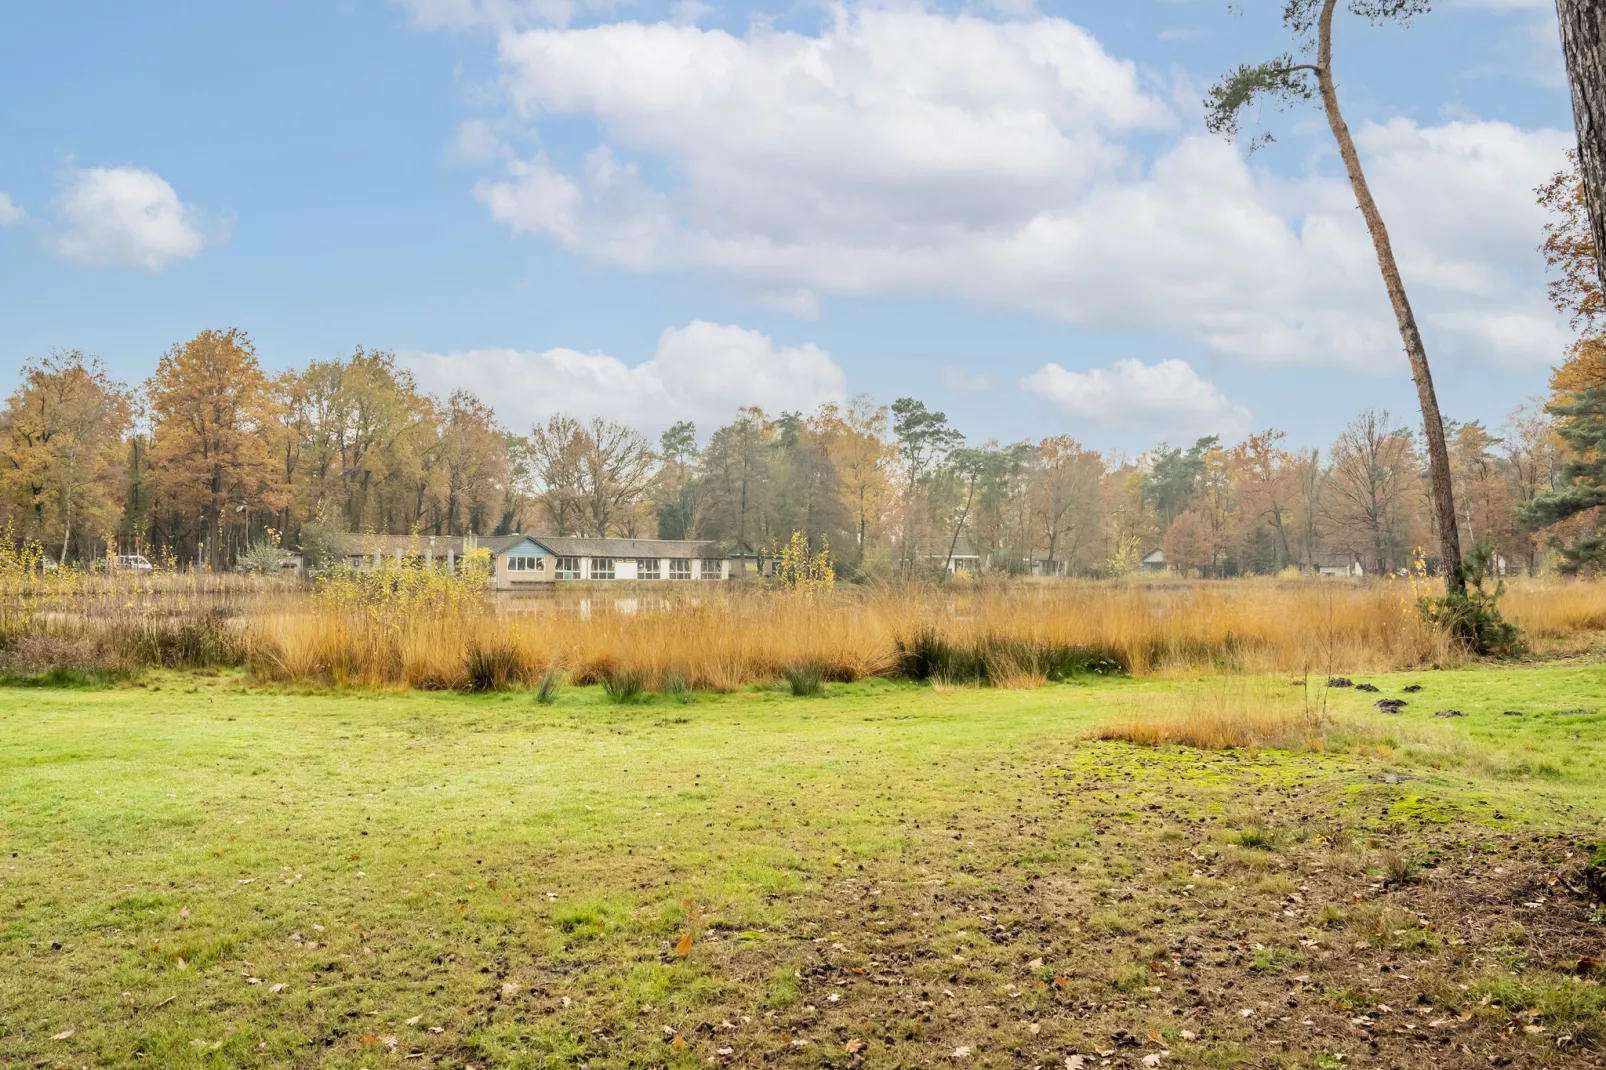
703 372
10 212
1010 164
1168 396
125 217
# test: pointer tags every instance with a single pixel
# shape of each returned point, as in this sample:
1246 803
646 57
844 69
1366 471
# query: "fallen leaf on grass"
184 913
509 988
277 988
64 1034
414 1019
684 947
855 1046
961 1052
679 1043
1075 1062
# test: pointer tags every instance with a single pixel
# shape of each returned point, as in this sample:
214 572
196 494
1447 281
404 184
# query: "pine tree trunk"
1583 40
1432 422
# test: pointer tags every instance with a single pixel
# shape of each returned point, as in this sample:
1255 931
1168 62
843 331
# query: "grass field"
202 872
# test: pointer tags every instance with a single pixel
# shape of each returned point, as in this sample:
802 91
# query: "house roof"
1156 554
569 546
439 545
937 546
562 546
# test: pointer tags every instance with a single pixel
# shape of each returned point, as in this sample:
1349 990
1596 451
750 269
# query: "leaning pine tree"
1288 81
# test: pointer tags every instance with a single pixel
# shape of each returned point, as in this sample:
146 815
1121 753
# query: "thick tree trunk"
1583 40
1432 422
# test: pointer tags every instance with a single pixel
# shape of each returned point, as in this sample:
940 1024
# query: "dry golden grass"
1019 636
408 628
1240 715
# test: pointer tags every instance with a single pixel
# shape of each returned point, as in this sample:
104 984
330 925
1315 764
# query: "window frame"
602 568
680 568
649 568
568 568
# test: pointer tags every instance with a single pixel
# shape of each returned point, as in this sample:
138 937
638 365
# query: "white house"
1339 565
527 562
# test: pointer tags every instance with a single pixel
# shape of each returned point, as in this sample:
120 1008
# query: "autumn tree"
1373 467
1064 497
212 418
557 452
616 467
736 467
855 440
1268 487
61 450
1286 80
473 465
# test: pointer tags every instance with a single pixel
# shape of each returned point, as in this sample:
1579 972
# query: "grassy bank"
205 873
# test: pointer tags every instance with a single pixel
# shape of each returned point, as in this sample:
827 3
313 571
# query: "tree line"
212 456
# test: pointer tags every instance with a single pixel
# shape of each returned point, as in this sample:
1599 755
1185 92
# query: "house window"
568 568
602 568
679 569
710 570
647 568
524 564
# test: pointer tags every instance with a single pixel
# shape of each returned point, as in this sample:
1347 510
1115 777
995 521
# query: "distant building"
955 554
1154 561
1339 565
529 562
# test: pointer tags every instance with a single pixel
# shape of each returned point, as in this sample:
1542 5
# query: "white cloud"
702 372
1168 397
126 217
10 212
906 150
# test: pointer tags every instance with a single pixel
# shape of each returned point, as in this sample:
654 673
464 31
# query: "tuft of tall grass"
546 692
624 684
805 679
493 667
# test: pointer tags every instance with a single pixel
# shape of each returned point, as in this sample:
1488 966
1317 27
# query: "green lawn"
203 873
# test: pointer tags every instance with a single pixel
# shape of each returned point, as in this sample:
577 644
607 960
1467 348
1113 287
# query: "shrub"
1472 617
806 679
546 692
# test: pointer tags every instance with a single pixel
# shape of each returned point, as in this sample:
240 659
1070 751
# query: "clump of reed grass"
493 667
805 679
675 686
546 692
624 684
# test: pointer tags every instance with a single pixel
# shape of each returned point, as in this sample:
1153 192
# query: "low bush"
546 692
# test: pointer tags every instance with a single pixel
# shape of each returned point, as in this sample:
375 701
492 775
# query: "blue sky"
656 210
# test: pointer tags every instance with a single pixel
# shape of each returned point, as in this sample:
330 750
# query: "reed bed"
1010 636
407 627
